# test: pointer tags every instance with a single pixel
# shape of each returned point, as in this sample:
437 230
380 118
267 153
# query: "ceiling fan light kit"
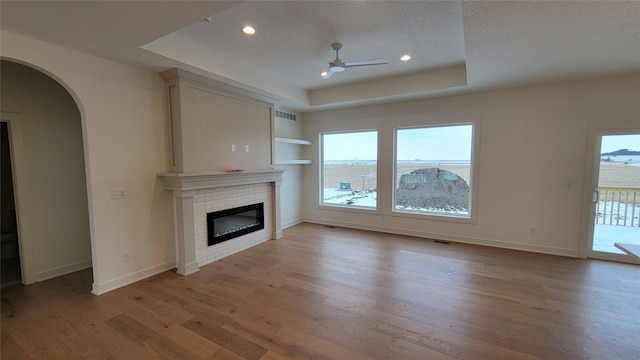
337 67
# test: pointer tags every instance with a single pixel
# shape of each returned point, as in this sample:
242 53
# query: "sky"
616 142
432 143
351 146
435 143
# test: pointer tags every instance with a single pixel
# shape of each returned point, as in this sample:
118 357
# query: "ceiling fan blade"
329 74
338 65
364 63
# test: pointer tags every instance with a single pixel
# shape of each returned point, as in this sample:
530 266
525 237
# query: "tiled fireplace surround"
195 195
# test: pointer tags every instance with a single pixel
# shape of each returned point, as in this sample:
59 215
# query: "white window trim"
338 207
473 171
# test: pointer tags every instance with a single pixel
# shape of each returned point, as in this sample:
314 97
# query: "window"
433 170
349 167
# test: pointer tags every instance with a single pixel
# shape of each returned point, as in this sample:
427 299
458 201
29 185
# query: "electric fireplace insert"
230 223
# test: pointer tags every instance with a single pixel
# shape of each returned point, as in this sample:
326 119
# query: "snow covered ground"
605 235
367 198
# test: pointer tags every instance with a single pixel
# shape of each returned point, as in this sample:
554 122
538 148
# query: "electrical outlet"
125 256
115 194
532 230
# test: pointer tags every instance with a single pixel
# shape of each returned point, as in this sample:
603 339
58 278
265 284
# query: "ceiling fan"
338 65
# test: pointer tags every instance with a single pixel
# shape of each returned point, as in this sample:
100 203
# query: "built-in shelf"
293 142
292 162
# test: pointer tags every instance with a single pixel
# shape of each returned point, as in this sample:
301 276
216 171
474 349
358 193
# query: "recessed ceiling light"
249 30
323 74
405 58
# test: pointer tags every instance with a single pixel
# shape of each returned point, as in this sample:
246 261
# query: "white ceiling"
456 46
293 39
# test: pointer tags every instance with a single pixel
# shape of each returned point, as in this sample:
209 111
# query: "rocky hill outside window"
433 170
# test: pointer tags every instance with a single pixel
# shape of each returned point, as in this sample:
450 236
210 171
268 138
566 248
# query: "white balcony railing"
618 206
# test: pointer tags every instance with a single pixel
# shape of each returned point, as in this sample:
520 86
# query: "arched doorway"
47 154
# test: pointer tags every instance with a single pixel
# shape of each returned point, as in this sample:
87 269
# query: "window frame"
321 172
473 177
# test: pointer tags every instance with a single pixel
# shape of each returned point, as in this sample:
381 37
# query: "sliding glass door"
615 199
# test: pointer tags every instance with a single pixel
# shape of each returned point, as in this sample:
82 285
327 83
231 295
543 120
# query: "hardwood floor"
333 293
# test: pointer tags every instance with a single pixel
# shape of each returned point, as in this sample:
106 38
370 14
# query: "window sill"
353 209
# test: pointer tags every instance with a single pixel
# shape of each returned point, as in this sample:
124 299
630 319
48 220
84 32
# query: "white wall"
122 110
212 122
52 197
291 188
533 151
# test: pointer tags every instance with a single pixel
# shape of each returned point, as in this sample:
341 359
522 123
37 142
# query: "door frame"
592 172
16 146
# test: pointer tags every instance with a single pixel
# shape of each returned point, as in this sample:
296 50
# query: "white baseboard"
99 289
188 269
62 270
452 238
292 223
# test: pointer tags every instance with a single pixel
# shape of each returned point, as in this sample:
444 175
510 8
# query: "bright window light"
349 169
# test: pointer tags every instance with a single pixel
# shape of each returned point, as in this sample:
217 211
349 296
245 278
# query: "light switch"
233 147
246 148
115 194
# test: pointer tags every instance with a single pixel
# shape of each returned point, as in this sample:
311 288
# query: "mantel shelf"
208 180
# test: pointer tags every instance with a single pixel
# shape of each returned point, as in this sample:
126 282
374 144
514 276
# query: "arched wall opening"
48 143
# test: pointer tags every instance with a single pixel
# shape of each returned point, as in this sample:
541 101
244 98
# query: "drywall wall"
292 179
216 130
122 110
52 198
531 160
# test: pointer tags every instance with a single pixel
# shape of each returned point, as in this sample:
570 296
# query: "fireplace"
227 224
197 194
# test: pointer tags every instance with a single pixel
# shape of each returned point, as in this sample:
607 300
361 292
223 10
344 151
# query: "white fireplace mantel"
198 181
185 186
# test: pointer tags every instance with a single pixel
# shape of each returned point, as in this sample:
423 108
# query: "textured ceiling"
529 41
456 46
293 39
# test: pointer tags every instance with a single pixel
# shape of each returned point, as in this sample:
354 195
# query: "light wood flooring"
333 293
